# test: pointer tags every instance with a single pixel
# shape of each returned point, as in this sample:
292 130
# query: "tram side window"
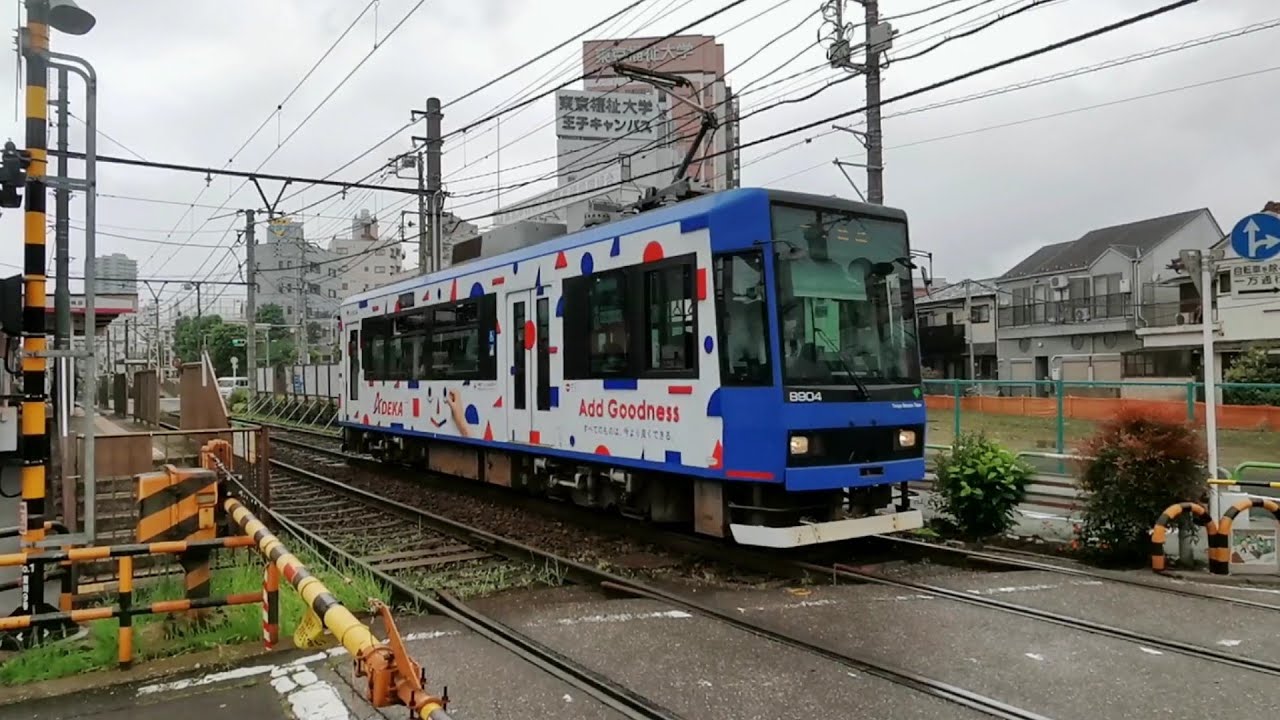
596 337
634 322
446 342
743 319
669 320
376 333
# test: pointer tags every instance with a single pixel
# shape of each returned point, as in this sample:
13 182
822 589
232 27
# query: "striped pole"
126 617
35 440
270 606
1199 515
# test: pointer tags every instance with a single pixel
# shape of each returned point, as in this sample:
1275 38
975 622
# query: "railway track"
775 564
436 525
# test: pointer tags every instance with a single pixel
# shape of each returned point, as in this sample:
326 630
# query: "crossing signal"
13 174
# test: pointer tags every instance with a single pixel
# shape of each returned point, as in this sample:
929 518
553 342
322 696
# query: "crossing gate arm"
393 677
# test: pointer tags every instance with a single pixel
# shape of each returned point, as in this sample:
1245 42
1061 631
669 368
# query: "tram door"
519 339
353 365
529 392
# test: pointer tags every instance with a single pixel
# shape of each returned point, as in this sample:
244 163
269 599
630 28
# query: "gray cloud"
187 82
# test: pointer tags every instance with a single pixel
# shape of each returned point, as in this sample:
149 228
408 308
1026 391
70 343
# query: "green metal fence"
1057 416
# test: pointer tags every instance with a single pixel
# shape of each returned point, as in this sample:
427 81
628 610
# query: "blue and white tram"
745 362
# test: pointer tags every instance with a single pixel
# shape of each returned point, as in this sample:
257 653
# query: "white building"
302 278
1245 313
117 274
365 260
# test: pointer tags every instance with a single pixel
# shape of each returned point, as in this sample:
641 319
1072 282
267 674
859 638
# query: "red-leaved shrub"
1140 466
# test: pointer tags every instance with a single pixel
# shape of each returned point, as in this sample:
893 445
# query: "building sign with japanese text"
639 54
608 115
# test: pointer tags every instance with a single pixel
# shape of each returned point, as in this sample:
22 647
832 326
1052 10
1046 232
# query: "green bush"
1254 366
1140 466
980 485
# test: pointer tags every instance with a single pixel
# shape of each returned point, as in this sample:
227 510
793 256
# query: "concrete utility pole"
302 300
968 328
431 196
878 39
251 300
875 140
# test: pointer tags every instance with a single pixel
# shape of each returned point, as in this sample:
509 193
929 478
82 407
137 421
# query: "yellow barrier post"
1159 533
1229 518
394 678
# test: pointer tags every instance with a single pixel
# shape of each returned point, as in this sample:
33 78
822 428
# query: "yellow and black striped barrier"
1229 518
181 504
1244 483
125 609
393 677
1218 552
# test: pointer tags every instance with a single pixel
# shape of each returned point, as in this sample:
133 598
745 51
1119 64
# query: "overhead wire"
1011 60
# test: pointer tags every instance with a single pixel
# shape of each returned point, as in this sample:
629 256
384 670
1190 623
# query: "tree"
227 341
1254 366
190 335
278 348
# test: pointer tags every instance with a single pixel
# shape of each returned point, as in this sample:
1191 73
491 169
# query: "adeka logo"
387 407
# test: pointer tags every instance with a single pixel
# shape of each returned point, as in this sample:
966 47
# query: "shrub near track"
1139 467
980 485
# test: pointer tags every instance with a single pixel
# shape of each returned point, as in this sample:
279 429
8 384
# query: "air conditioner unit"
1082 315
1187 318
1059 282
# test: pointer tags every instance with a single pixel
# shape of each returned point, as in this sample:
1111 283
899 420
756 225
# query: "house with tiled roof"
1071 309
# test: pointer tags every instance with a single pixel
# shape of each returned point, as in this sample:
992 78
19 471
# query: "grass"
232 625
1039 434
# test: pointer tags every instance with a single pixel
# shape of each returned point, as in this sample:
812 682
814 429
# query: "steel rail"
607 692
995 558
587 575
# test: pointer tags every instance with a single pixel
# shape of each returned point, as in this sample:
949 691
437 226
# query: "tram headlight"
799 444
906 438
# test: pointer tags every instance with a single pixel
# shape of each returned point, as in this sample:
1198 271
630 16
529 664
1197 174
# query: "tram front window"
845 298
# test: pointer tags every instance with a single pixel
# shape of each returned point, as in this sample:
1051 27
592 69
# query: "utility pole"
875 140
251 330
968 328
878 39
302 300
430 194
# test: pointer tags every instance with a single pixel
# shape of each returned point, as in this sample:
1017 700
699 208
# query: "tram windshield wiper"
844 361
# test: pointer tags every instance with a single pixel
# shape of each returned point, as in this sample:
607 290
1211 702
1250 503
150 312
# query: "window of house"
1108 300
344 286
980 314
669 319
1224 283
380 270
1159 363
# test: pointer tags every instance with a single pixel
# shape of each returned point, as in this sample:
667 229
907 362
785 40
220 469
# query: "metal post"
968 327
251 328
35 441
89 390
198 303
433 180
62 313
875 140
1210 379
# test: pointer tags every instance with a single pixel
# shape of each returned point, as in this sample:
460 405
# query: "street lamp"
65 16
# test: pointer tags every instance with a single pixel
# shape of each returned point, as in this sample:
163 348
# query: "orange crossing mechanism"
393 677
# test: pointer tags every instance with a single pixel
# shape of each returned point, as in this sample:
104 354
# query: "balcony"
1174 324
1074 311
942 339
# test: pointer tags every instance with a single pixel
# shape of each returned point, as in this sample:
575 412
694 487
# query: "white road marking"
1149 651
619 618
568 697
1228 643
1010 589
1034 656
210 679
318 701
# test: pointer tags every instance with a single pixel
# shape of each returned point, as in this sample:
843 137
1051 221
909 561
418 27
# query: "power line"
921 11
107 137
975 29
1049 116
911 93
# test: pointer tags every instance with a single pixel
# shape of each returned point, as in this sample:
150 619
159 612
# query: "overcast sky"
188 82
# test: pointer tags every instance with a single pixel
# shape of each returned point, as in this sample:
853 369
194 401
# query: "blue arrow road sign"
1257 237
